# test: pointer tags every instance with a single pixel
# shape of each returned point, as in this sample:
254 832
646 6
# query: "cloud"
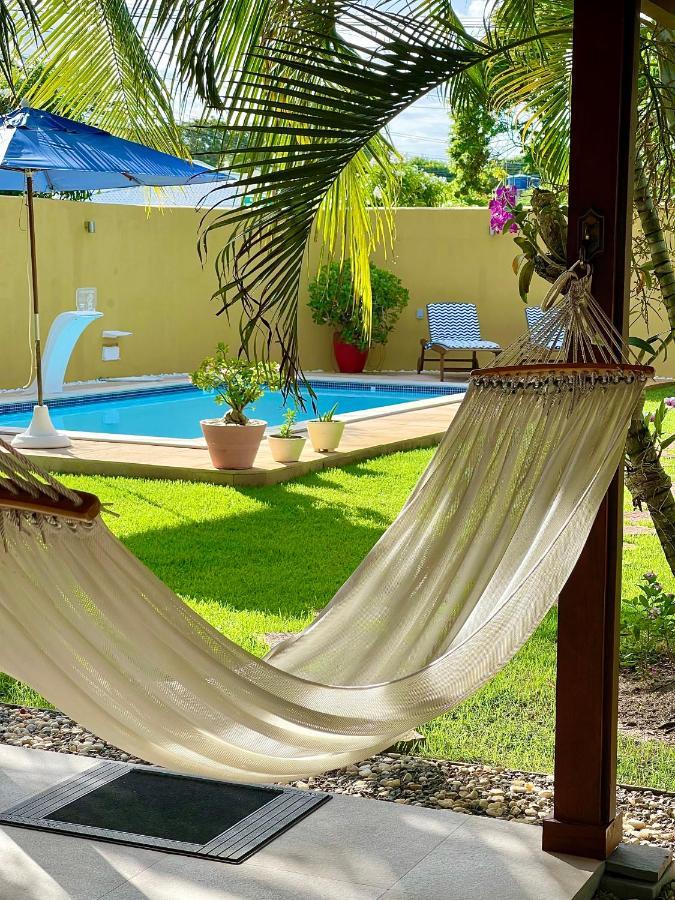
422 129
475 9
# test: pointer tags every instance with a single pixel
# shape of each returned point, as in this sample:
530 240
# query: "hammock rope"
445 598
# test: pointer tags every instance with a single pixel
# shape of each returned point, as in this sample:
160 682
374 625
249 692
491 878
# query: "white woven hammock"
446 597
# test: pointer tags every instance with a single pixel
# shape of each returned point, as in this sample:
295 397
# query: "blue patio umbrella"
45 153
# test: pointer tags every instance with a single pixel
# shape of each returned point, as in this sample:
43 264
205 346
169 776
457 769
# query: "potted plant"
325 432
286 446
331 299
234 439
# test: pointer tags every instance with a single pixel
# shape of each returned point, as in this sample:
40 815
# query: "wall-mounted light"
90 226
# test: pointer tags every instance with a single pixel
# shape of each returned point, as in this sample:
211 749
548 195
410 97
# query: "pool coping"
438 396
411 429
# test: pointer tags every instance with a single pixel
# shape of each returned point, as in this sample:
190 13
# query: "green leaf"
659 416
525 245
641 344
525 279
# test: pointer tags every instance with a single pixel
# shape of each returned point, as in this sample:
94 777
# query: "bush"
414 186
331 299
236 382
647 623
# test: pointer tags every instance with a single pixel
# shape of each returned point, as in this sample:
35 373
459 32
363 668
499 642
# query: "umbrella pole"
34 286
41 433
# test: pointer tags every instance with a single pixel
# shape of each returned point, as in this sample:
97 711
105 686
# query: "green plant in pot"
286 445
325 432
331 300
234 439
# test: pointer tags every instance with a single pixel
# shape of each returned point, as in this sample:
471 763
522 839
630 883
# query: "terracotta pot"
232 446
286 450
325 435
348 357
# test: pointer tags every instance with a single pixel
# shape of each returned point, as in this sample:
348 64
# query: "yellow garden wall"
150 282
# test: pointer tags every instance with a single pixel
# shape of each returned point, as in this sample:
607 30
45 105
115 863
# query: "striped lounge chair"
453 326
534 316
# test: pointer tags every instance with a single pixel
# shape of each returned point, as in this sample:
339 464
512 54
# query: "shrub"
236 382
647 623
331 299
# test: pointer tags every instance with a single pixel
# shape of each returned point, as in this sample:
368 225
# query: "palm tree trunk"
649 483
656 241
646 479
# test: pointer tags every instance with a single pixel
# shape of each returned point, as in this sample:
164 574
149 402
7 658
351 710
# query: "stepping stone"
640 862
633 889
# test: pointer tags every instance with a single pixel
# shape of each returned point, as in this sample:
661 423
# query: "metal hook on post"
591 236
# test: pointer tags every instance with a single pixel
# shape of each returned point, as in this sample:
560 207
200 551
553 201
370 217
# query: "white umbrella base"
41 434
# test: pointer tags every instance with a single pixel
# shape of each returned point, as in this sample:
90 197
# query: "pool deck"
349 849
362 439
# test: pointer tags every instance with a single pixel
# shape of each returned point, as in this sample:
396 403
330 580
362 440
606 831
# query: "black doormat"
166 811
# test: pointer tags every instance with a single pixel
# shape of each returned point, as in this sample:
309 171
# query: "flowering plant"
647 622
502 207
236 382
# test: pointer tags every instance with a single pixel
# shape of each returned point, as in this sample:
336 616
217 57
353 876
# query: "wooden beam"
604 65
662 11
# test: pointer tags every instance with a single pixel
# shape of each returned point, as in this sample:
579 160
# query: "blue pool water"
175 412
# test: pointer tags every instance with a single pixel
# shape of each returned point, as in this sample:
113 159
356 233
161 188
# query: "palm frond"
310 106
208 45
535 89
92 65
204 43
15 16
533 81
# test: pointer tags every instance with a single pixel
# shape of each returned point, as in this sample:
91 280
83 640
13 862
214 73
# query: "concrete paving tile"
361 841
39 865
349 849
184 878
24 772
504 857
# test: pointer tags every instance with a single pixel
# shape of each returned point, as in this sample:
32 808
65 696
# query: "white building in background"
194 196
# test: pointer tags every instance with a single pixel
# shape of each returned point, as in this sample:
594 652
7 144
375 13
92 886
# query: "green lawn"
266 559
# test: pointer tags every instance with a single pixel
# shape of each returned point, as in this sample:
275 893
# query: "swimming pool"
174 412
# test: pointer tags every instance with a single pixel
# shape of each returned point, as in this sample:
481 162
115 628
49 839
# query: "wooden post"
604 67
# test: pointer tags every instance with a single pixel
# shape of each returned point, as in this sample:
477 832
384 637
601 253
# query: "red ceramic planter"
348 357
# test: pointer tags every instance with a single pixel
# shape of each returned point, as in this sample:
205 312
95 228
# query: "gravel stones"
480 790
47 729
469 789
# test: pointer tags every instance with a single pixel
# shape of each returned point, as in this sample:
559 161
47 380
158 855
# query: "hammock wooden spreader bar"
85 509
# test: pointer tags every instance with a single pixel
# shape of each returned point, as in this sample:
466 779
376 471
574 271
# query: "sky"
422 129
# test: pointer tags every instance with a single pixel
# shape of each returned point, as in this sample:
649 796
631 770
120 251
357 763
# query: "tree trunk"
646 479
649 483
656 241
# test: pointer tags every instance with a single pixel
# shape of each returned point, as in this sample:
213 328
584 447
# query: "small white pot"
286 450
325 435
